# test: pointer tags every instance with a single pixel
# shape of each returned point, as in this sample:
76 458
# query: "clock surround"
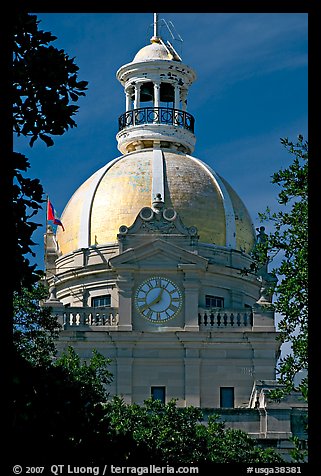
158 299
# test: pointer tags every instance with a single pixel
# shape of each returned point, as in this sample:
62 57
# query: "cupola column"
176 97
156 94
128 100
184 99
137 96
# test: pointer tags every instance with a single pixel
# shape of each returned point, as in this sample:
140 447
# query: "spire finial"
156 24
155 37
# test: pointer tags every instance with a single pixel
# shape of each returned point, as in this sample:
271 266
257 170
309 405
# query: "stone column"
176 96
128 100
156 94
184 99
124 375
137 96
191 286
124 284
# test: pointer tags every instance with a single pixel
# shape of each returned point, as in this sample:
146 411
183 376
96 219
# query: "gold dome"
114 195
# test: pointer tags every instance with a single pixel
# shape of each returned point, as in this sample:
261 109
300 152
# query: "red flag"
52 215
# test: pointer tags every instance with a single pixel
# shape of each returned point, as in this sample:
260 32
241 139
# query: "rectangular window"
158 393
213 301
227 397
101 301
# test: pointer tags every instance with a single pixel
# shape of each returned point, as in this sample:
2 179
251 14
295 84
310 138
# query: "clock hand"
155 301
159 296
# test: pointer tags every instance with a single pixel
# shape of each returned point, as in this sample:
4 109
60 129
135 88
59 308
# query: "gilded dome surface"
114 195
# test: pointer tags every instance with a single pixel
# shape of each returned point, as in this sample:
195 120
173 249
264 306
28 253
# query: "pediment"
158 221
157 251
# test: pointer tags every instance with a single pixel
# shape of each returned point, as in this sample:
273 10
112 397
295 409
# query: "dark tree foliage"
35 328
27 199
56 410
289 242
157 433
45 86
93 376
45 81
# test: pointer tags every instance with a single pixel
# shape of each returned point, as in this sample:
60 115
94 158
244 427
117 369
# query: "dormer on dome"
156 85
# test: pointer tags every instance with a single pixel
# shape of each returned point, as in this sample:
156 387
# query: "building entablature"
219 259
175 133
160 248
93 267
156 70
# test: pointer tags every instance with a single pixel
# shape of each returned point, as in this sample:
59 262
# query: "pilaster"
191 286
192 364
124 375
124 284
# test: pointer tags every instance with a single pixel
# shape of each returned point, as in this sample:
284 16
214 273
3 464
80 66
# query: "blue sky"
251 90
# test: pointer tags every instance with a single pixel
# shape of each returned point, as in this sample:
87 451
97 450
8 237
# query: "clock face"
158 299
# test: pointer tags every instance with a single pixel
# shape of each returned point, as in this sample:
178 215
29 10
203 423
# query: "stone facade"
193 354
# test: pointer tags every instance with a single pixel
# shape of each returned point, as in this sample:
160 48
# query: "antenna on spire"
155 37
156 24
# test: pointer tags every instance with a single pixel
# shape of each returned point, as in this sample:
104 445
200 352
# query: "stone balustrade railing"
90 316
208 318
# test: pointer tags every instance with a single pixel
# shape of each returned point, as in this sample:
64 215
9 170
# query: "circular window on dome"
169 214
192 230
146 213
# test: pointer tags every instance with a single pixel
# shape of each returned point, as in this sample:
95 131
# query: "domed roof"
115 194
155 51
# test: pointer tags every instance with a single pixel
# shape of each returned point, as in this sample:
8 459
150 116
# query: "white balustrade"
209 318
89 316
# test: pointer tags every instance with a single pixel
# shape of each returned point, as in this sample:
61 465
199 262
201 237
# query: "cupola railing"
156 115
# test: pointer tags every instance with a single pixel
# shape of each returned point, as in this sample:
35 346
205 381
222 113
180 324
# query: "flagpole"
46 238
47 203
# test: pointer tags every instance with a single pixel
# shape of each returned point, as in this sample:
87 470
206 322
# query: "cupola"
156 86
